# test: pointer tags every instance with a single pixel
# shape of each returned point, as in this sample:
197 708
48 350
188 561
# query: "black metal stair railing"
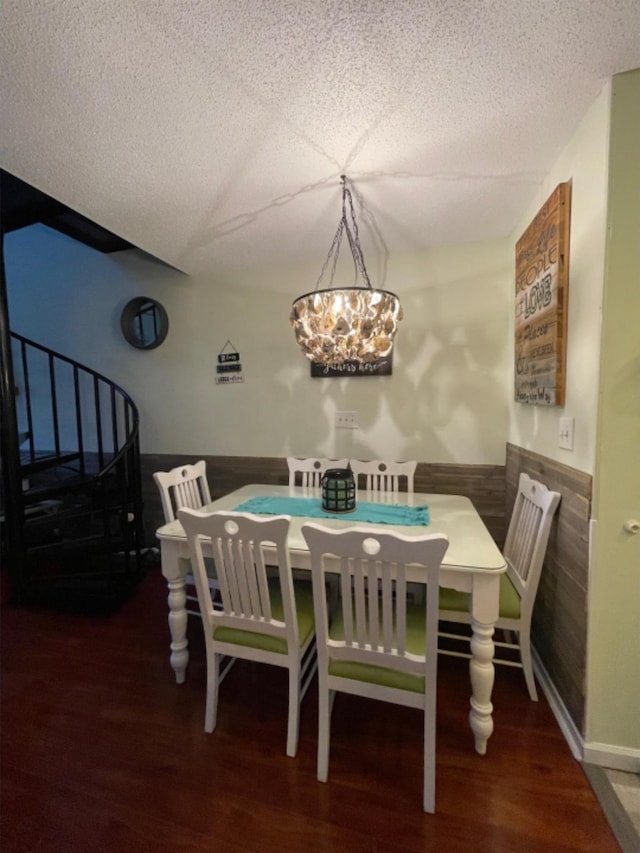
81 511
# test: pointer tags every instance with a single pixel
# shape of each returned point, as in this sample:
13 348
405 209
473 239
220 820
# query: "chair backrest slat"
244 571
243 545
184 486
373 586
308 472
389 641
523 536
374 606
257 581
223 556
401 612
378 475
528 535
246 568
188 494
345 594
360 584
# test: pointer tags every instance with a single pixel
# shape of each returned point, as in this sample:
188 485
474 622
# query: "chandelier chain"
353 238
354 241
333 251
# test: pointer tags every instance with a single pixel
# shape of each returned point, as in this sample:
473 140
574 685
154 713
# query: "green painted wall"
613 660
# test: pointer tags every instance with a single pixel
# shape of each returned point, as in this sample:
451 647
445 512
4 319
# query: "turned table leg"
177 600
485 604
482 672
178 617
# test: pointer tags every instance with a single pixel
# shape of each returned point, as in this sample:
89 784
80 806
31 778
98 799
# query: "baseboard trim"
619 820
567 726
599 754
613 757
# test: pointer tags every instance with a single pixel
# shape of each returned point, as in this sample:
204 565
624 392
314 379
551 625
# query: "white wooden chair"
308 472
383 480
186 486
524 551
377 645
264 619
380 476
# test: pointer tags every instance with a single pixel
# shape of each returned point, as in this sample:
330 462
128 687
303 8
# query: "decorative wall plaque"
542 291
379 367
229 368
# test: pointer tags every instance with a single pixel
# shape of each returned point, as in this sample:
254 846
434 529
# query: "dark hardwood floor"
102 751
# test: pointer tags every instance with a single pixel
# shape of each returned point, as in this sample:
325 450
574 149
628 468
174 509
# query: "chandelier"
357 323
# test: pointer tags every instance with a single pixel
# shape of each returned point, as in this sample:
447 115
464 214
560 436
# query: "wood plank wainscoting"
559 629
482 484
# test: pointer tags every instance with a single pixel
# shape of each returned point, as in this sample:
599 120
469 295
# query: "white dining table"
473 563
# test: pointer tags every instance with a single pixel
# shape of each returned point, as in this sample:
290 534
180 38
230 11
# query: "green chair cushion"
384 676
451 599
254 639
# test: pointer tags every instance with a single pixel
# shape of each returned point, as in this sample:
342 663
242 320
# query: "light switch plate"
565 433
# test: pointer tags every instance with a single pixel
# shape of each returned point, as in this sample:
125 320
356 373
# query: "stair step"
73 483
43 460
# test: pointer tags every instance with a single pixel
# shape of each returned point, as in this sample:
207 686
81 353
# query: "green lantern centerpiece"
338 490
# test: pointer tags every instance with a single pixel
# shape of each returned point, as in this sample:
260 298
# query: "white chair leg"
429 759
212 691
293 726
332 699
527 665
325 703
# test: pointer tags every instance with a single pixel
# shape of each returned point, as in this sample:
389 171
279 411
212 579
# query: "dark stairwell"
70 504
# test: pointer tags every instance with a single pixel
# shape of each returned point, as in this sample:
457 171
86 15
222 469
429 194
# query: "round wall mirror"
144 323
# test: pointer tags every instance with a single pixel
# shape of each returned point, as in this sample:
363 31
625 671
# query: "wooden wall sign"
542 291
380 367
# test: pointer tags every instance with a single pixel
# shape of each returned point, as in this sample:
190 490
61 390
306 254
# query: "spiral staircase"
76 521
71 502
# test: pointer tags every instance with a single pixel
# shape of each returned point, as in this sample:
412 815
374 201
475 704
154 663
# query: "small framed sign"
380 367
229 368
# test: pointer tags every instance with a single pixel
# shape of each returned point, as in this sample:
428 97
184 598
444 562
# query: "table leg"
482 672
178 617
173 571
485 605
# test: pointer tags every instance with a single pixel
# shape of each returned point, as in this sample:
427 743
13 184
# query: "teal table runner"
312 508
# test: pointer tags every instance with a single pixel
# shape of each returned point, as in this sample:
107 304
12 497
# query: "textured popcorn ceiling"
213 133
